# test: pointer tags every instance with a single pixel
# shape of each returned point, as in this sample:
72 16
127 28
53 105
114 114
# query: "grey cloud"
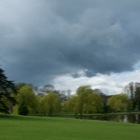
43 39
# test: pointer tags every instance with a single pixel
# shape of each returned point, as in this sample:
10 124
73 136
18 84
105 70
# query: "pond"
127 118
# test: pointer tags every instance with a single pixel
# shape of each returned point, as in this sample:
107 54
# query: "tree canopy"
49 104
7 88
133 92
119 102
27 100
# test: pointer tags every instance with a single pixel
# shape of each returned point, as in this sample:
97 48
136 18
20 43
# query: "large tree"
88 101
133 92
7 88
49 104
119 102
27 101
71 105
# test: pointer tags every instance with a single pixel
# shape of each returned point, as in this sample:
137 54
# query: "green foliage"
89 100
71 105
27 101
94 103
119 102
49 104
7 88
82 98
23 109
133 92
85 101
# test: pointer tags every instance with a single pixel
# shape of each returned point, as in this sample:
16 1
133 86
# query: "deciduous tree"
119 102
71 105
50 103
27 102
88 101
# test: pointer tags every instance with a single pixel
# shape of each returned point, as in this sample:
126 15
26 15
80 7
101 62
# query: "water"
127 118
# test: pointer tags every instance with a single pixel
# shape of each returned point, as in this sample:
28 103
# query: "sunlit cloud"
109 84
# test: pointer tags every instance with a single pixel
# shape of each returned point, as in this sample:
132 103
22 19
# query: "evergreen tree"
7 88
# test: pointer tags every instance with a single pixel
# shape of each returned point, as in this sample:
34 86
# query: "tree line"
22 98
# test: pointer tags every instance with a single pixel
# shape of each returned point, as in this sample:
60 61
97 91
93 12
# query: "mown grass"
45 128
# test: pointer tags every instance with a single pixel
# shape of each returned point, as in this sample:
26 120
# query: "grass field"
44 128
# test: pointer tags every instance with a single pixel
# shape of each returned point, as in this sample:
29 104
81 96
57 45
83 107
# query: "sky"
70 43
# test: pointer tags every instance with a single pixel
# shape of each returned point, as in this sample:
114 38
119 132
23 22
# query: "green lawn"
44 128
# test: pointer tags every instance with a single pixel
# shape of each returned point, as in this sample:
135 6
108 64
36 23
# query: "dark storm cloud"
43 39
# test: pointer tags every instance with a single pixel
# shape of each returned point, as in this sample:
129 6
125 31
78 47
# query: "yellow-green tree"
94 103
50 103
27 101
71 105
119 102
87 100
